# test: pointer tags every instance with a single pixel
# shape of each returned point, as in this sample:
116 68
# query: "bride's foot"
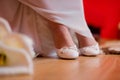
88 46
68 52
63 42
92 50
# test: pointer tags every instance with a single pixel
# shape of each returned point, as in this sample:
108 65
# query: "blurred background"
103 18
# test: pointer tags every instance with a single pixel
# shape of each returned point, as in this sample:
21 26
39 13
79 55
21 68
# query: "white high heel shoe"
68 52
90 50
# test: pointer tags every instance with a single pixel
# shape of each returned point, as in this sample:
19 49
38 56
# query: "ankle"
87 42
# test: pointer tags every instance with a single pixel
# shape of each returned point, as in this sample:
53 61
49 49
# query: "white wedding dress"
29 17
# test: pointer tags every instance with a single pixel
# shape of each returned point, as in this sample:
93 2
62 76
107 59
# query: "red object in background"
104 14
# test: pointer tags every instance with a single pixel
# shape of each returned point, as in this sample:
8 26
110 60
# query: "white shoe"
68 52
90 50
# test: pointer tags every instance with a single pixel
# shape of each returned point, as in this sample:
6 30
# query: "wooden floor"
102 67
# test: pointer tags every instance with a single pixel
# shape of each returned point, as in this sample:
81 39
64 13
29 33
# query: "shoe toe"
90 50
67 53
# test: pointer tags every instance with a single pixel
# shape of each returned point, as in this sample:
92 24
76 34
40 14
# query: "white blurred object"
17 50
